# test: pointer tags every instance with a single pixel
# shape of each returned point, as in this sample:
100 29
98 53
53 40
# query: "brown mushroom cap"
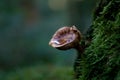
65 38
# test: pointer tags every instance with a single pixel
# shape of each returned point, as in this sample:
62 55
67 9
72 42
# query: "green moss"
102 58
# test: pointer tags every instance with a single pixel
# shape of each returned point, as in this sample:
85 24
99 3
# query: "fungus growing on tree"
66 38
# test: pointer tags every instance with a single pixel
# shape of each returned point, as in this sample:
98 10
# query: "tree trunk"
101 59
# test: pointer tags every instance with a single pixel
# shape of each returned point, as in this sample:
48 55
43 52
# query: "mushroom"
66 38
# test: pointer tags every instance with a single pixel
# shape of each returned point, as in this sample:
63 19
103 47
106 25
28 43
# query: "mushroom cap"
65 38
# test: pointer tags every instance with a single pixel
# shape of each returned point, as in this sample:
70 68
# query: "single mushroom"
66 38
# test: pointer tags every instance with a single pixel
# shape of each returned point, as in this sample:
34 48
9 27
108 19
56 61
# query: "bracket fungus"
66 38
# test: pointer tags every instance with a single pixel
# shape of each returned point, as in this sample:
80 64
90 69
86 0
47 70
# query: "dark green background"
26 26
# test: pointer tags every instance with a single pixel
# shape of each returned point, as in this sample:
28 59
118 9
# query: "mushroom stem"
79 48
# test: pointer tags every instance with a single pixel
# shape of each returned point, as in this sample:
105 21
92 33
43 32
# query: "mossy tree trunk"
101 59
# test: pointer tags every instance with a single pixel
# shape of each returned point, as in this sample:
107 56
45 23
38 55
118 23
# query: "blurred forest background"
26 26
